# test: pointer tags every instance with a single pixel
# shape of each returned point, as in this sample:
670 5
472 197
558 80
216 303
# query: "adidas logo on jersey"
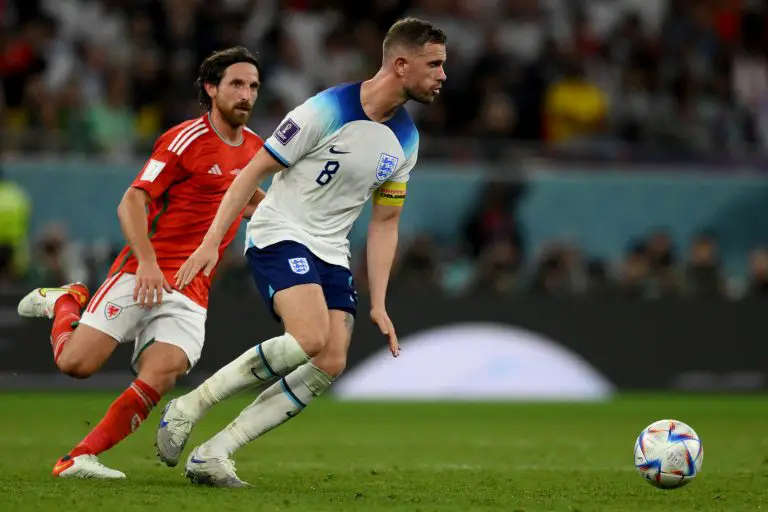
215 170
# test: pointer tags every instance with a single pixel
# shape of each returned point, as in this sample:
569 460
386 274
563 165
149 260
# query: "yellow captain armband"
391 193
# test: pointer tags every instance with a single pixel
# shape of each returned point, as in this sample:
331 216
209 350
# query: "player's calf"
286 398
307 323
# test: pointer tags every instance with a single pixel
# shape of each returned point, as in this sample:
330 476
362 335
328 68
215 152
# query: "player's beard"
236 116
419 97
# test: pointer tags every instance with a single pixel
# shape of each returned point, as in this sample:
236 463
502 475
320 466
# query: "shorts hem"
134 362
346 309
113 334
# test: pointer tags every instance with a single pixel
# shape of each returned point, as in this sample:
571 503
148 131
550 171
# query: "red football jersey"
189 172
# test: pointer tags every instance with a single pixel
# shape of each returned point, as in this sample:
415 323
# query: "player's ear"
211 90
400 64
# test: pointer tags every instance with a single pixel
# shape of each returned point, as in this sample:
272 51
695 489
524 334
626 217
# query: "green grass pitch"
401 457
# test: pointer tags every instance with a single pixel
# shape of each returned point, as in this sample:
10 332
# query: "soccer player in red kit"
164 215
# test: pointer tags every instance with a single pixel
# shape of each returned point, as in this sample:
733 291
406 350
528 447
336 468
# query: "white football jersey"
335 158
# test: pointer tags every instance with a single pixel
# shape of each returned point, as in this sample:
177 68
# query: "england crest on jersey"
299 265
386 167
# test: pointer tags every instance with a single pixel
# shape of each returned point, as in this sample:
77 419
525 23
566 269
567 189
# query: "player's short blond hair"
412 33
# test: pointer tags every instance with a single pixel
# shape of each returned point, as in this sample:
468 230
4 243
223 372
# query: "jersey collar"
225 141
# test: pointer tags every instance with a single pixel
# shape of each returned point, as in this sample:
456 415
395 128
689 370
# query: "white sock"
261 365
281 402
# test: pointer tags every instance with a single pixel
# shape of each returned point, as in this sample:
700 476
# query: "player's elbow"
248 212
132 199
387 218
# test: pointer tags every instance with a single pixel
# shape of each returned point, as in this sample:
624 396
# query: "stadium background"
593 164
587 222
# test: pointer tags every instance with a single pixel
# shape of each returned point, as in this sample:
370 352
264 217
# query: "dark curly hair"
213 68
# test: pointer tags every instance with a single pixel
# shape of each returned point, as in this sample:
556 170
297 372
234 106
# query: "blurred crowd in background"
490 258
676 76
669 80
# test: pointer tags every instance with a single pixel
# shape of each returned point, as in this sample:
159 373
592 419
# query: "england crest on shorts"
299 265
111 310
386 167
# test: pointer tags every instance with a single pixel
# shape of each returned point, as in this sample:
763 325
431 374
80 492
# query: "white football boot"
213 471
40 302
84 466
172 434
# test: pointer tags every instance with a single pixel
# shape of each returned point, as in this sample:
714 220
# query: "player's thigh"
288 280
305 316
110 318
170 342
333 358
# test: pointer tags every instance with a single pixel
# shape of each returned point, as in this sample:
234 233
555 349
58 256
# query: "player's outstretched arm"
382 246
240 192
253 203
150 281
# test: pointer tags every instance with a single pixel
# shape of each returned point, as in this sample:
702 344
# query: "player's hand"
204 258
150 284
381 319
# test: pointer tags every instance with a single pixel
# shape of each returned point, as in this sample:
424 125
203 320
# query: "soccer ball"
668 454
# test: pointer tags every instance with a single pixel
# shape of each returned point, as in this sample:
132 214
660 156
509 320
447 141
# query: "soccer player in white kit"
330 155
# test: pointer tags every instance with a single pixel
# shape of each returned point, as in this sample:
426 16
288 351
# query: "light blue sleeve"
411 150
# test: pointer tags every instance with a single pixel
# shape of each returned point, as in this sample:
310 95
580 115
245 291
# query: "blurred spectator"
663 277
57 260
574 107
552 277
497 270
634 274
112 122
8 277
494 219
703 273
15 211
758 279
417 269
600 284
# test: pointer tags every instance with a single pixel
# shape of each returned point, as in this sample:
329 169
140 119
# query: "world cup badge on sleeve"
287 131
386 167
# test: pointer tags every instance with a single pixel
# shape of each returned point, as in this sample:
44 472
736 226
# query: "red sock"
122 419
66 315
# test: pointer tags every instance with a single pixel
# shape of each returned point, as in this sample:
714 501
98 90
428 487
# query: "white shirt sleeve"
403 173
301 131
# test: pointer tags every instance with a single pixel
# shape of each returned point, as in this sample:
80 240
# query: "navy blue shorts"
286 264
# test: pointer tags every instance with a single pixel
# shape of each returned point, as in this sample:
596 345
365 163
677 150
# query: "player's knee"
162 380
162 368
312 337
332 365
76 366
312 342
